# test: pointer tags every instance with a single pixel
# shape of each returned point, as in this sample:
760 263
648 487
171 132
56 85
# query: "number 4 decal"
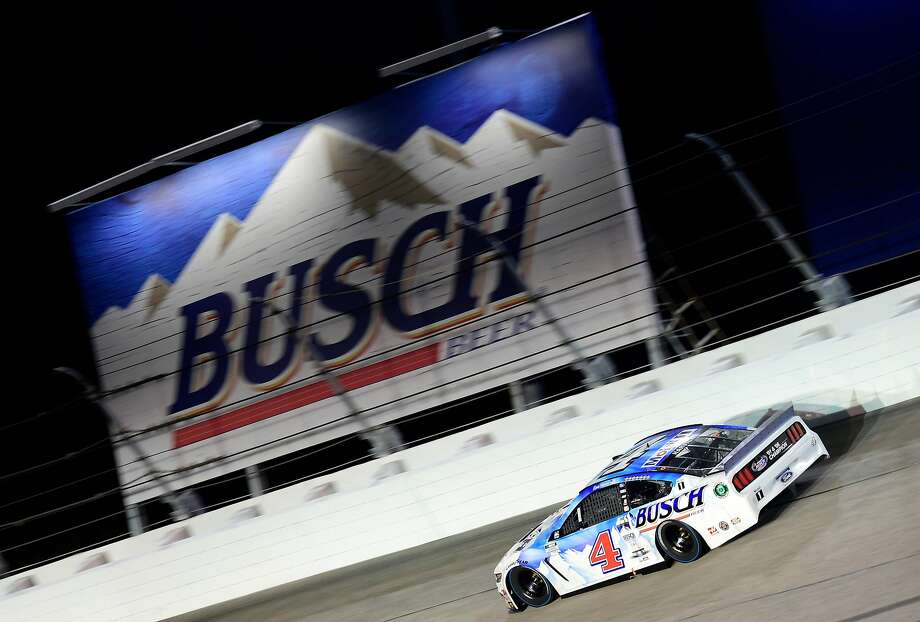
605 553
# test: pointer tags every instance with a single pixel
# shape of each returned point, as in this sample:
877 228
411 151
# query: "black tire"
530 587
679 541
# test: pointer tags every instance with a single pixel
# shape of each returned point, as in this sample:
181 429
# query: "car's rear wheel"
530 586
679 541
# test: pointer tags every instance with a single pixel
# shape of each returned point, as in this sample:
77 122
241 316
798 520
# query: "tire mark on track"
446 602
857 481
885 609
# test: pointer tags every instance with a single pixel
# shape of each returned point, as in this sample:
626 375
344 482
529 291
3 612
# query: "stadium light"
427 57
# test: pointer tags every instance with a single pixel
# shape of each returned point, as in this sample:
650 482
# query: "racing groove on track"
845 550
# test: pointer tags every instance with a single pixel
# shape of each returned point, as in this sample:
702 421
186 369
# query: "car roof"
646 455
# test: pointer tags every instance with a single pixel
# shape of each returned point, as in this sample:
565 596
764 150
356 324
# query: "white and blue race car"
670 497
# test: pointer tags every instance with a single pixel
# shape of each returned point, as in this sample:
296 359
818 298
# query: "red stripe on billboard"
302 396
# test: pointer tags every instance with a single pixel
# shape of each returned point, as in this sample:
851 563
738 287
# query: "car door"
641 493
588 548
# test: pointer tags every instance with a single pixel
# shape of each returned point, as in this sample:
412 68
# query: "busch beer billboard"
350 226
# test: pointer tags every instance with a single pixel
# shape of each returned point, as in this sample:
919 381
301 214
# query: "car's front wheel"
679 541
530 586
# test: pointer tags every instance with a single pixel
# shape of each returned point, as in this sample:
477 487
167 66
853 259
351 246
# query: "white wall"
540 457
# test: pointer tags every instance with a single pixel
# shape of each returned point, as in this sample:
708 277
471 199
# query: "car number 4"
603 552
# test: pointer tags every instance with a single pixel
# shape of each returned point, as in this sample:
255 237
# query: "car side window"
599 506
640 492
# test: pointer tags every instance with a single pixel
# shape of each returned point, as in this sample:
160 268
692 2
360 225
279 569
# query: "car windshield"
624 460
704 451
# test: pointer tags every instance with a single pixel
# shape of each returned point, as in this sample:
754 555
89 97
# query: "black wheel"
530 586
679 541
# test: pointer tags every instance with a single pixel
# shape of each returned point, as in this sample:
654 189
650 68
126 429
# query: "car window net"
599 506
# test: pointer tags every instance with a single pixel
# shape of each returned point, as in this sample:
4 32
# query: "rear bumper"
782 473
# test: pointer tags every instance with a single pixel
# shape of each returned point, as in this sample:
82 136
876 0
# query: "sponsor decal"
723 525
487 335
655 512
777 448
713 531
665 450
736 520
629 537
786 476
720 489
681 485
771 454
633 478
814 442
759 494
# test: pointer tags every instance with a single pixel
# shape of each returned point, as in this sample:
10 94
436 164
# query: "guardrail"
865 355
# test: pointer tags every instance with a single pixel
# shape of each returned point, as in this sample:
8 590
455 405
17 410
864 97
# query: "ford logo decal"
760 465
786 476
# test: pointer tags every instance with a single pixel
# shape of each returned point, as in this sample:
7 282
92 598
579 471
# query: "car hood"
509 558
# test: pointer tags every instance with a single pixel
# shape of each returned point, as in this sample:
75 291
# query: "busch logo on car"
663 509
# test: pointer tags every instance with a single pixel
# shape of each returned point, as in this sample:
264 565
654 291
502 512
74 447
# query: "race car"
672 496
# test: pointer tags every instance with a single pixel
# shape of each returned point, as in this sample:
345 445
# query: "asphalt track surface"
846 549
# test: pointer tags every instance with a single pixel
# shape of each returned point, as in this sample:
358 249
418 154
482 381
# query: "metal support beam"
831 292
653 350
591 378
384 439
518 402
706 339
146 167
254 481
135 520
180 511
180 508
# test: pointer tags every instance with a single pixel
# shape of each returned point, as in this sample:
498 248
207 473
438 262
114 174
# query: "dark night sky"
104 89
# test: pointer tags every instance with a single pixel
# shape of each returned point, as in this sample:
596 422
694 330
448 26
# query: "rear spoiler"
775 424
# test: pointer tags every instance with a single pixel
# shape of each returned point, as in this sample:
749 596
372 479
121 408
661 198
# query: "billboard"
350 227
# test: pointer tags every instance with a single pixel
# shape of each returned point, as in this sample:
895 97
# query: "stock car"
672 496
